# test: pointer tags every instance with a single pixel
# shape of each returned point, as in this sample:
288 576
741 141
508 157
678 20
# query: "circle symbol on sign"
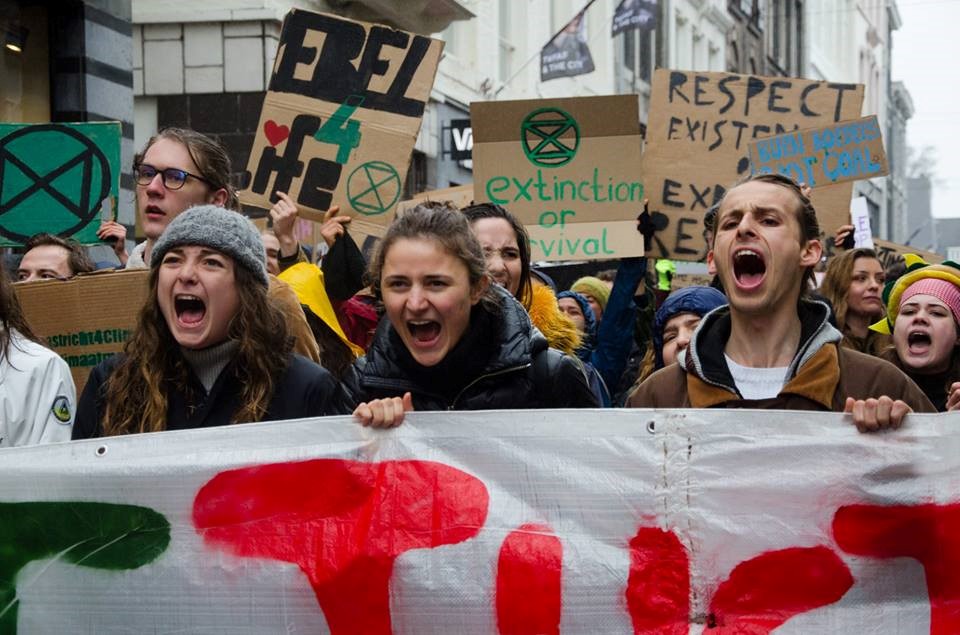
29 177
550 137
373 188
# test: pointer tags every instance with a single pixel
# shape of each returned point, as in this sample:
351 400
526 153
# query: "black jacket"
502 362
304 390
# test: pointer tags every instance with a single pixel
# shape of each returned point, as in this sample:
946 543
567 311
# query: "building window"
506 46
416 176
636 54
777 36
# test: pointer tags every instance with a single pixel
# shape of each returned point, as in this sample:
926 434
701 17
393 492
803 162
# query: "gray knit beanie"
222 229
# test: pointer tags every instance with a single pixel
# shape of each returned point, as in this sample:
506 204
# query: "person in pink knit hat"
923 315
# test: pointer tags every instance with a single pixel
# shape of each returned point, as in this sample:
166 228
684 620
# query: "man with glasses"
169 181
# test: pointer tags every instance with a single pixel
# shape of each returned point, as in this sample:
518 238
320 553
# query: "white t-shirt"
757 383
37 396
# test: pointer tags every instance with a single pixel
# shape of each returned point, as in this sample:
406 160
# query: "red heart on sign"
275 134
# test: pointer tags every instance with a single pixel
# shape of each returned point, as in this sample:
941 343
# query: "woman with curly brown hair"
852 284
209 348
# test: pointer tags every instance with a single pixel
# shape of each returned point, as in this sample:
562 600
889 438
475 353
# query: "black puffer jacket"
303 390
502 362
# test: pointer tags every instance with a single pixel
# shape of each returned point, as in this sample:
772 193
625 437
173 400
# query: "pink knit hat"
946 292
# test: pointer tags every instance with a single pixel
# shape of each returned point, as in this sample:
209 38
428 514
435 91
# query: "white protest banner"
341 116
576 521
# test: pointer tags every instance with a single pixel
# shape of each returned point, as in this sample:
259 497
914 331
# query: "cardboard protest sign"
85 319
841 152
532 521
341 116
367 234
57 178
567 168
889 253
683 280
860 219
700 127
459 195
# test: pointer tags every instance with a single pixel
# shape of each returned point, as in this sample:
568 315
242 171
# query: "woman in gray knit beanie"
209 348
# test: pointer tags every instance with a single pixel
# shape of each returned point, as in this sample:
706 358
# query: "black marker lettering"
774 97
677 79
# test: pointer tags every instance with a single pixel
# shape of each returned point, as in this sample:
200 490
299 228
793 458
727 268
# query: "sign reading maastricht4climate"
567 168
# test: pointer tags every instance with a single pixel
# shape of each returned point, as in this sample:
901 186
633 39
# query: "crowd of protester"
246 325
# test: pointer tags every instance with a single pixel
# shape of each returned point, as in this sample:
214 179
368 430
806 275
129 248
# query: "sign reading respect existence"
341 116
567 168
700 127
56 178
846 151
537 521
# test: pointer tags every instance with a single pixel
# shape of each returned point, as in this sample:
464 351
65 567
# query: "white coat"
37 395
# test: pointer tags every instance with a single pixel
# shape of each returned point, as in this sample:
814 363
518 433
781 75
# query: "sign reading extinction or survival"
700 128
567 168
341 116
845 151
55 178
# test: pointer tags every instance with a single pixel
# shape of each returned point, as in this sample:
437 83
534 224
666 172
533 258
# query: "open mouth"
749 268
424 332
153 211
189 308
918 341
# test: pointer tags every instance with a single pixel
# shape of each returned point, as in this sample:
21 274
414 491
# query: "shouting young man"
772 347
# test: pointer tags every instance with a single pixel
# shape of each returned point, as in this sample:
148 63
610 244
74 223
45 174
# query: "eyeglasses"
173 179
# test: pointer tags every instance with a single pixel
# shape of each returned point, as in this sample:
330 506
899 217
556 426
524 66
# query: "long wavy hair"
11 315
837 279
153 368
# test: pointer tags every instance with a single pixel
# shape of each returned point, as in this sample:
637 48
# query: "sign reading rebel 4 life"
567 168
341 116
56 178
700 128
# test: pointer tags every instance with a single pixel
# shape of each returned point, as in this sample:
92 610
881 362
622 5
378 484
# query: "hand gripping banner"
588 521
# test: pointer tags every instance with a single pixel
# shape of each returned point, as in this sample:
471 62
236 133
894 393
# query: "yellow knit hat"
917 269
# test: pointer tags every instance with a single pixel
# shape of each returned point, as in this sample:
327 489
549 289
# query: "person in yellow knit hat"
922 315
337 353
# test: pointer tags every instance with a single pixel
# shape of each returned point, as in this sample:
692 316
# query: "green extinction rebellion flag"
56 178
